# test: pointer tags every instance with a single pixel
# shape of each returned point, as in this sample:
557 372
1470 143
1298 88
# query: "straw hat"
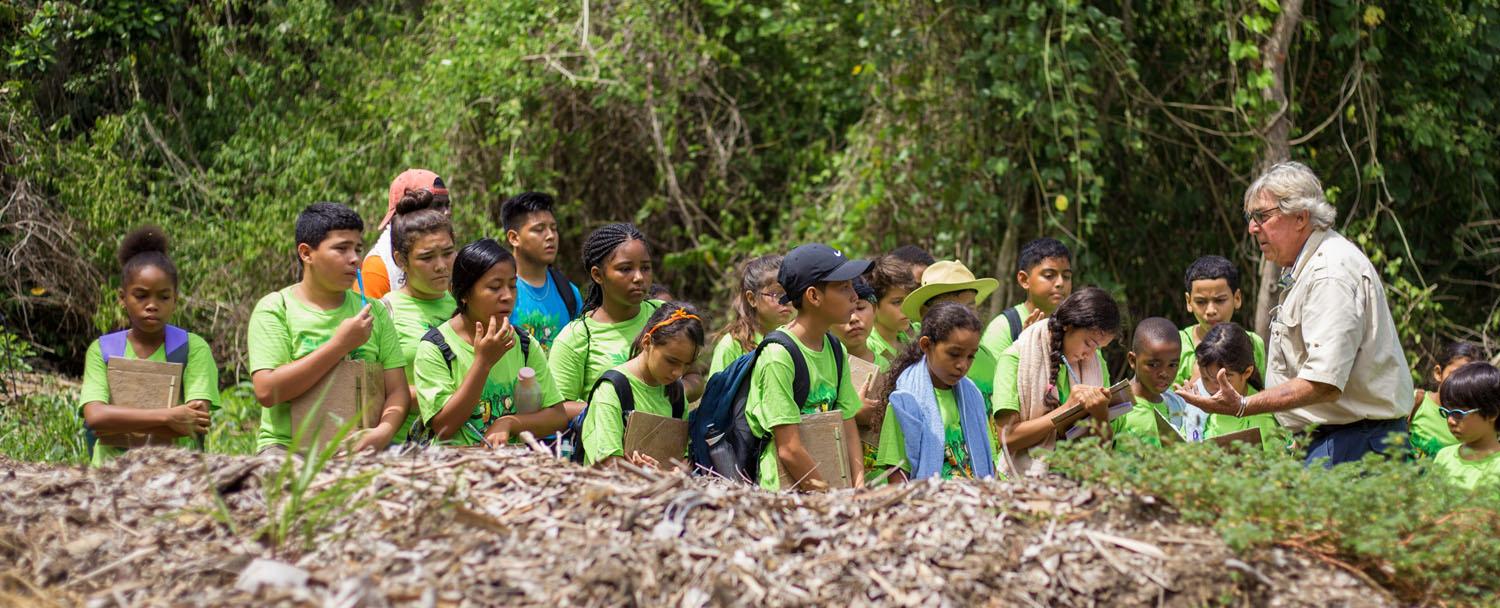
946 277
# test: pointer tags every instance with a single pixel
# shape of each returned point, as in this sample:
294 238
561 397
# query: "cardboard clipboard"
141 384
1169 434
661 437
823 436
860 372
352 390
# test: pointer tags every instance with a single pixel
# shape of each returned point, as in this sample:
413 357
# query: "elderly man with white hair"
1335 362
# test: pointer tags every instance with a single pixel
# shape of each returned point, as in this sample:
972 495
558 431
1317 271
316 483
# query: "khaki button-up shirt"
1333 326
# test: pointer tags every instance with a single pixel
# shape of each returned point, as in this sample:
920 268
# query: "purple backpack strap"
112 344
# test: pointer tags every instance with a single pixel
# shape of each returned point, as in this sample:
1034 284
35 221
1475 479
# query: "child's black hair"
914 255
415 217
744 325
145 246
597 249
1087 308
1037 250
937 327
319 219
691 328
1209 268
657 290
1157 330
472 262
1475 385
1227 346
517 207
889 272
1459 349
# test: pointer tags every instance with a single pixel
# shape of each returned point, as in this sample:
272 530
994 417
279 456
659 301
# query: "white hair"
1295 188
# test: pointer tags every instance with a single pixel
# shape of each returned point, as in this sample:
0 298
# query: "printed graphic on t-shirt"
495 401
822 399
956 461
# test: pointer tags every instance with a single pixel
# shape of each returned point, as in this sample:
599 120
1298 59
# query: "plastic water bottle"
528 396
722 455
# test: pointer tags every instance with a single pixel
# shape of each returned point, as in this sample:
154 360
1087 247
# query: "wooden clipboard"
823 436
141 384
661 437
352 390
1250 437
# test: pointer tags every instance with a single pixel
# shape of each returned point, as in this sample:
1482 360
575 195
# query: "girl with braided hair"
1054 375
614 312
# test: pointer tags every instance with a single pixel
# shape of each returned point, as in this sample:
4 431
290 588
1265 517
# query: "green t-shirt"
1429 430
725 352
284 329
1140 421
586 348
436 383
604 425
1189 357
1007 395
883 350
956 460
1467 474
770 403
412 318
200 380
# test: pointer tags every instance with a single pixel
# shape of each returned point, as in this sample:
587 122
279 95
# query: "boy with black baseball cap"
819 283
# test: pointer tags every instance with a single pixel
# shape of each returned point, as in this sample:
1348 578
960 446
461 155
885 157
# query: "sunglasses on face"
1456 414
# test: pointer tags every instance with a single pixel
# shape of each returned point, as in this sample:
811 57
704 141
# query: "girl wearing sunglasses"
1471 404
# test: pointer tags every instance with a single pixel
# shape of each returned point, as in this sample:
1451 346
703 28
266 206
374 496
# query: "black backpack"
719 437
565 290
1013 319
675 396
420 434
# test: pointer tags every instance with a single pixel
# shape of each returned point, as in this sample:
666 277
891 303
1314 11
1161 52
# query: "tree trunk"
1273 55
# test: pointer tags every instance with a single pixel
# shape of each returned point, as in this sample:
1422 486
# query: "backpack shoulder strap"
524 341
565 291
436 338
112 345
838 363
1013 319
801 382
623 392
176 345
677 397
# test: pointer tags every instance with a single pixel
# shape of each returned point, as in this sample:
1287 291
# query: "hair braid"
597 248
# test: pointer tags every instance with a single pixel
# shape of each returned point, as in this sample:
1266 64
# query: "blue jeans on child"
1340 443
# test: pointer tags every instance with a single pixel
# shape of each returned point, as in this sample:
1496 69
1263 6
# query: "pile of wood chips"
447 527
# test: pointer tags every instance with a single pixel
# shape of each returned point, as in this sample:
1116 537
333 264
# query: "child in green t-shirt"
951 281
855 332
422 247
916 258
614 312
932 402
148 292
1429 429
474 397
818 282
297 335
1044 270
891 278
659 357
757 309
1153 356
1226 355
1471 405
1212 296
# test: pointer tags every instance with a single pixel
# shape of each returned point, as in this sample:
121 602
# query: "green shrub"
1394 521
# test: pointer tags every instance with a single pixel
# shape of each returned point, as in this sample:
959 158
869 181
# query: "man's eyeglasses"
1259 217
1456 414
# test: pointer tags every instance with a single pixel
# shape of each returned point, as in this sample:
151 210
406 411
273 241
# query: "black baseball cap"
815 263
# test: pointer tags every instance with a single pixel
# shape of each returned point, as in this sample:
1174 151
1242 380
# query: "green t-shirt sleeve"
848 398
1259 346
566 361
268 341
386 339
892 450
603 430
772 377
997 336
537 361
1007 397
95 381
725 352
201 375
435 383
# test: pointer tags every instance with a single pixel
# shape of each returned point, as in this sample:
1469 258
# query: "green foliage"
1395 521
299 509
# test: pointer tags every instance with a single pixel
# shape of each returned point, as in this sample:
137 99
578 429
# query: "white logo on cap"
838 253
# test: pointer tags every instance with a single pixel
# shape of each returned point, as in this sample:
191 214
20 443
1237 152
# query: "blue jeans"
1340 443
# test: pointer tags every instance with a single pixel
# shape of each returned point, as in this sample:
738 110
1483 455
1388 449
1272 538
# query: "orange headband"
677 315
